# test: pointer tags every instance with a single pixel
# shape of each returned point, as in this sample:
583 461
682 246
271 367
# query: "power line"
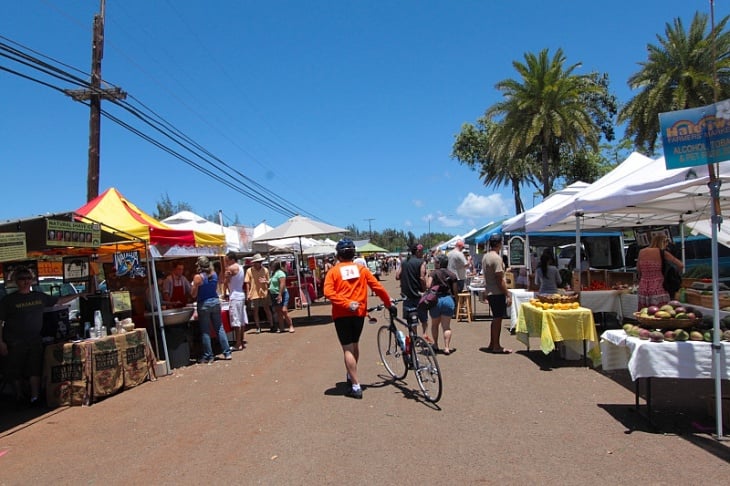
254 191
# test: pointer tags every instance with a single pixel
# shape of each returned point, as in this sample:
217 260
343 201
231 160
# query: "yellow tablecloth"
558 325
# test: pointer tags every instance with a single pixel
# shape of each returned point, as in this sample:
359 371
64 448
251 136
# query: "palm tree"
549 109
678 74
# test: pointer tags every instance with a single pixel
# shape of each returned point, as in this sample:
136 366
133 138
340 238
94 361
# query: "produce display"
558 298
562 305
675 322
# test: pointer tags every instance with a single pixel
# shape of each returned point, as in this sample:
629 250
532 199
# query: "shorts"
498 305
284 299
237 313
262 302
445 306
24 359
349 329
413 304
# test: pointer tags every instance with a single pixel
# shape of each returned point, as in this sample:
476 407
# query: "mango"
656 336
669 335
662 314
681 335
696 336
627 328
644 334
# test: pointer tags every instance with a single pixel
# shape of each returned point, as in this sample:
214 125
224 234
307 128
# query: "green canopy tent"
370 248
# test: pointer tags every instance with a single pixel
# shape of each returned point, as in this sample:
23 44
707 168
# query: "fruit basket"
557 298
666 324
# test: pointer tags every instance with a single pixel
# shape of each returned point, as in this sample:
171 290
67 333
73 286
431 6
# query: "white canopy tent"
648 194
641 192
188 220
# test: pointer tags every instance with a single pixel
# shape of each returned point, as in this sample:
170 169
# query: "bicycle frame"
419 356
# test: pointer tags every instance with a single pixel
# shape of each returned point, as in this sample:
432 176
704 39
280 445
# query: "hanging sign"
72 233
127 264
697 136
12 247
76 268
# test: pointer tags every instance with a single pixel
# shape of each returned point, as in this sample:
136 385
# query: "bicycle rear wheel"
427 370
391 354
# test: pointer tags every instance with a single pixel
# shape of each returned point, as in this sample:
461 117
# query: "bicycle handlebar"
381 306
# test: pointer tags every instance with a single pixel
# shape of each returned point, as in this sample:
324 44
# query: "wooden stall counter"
80 373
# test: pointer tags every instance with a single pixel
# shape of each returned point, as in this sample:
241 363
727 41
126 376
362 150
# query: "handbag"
429 298
672 278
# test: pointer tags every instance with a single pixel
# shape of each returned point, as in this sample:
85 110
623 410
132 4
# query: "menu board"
516 251
12 247
72 233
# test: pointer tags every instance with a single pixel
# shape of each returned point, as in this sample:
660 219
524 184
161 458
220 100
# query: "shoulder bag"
672 278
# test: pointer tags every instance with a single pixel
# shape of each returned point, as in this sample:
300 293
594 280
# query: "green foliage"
545 127
165 207
678 74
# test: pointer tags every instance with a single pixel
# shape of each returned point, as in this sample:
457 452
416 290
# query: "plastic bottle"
682 295
401 339
98 323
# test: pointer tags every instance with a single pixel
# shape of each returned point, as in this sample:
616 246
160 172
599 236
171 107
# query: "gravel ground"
277 414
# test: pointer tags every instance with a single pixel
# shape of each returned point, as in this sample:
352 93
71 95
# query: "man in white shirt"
458 263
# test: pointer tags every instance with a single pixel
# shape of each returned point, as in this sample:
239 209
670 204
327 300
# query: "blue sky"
346 109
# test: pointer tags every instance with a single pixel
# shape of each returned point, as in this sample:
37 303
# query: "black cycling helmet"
345 249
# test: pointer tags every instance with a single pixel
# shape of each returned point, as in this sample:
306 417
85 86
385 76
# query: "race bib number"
348 272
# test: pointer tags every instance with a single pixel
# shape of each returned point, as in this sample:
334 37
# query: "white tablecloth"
519 296
601 301
681 359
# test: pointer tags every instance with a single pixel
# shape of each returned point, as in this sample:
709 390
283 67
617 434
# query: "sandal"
448 351
500 351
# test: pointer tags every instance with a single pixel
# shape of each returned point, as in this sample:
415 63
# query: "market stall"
553 325
677 359
164 243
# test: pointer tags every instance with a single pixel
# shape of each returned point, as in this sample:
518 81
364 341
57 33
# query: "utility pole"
94 95
370 228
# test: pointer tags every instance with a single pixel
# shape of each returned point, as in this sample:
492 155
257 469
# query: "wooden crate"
620 278
693 297
580 280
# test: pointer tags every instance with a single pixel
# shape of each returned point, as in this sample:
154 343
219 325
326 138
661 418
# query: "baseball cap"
495 238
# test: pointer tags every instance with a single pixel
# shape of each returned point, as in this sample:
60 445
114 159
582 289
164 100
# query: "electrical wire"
254 191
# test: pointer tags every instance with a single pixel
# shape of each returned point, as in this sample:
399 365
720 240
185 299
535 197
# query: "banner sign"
697 136
12 247
127 264
72 233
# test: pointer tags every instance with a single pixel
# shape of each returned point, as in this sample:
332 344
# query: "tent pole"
714 186
156 295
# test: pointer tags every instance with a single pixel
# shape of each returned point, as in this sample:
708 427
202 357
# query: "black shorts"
349 329
25 359
498 305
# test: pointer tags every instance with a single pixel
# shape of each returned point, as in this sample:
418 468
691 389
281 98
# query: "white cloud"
418 203
476 207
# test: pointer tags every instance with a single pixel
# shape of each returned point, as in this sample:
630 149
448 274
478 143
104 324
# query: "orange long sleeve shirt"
348 282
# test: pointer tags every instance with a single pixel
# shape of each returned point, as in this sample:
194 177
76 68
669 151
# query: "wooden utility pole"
94 95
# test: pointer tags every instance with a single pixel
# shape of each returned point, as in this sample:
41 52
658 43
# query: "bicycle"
400 352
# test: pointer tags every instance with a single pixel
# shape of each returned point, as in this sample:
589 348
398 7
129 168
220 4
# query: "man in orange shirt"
346 287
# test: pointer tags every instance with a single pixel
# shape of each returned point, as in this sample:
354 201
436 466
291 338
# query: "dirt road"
276 414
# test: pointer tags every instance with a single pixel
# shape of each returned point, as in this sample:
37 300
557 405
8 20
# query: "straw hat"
257 258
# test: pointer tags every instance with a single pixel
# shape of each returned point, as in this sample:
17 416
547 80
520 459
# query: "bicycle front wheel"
427 370
391 354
